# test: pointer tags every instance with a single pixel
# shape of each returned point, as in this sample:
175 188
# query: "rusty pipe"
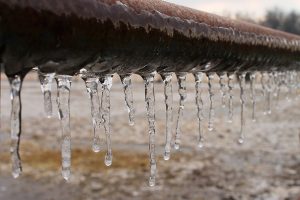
135 36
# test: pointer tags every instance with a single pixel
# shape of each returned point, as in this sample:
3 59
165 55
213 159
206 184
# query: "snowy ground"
266 167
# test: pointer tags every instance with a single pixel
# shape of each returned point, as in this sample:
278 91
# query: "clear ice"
265 93
252 94
105 107
167 79
211 101
181 78
242 99
222 82
150 106
127 86
199 102
230 91
46 80
15 123
91 83
270 85
63 102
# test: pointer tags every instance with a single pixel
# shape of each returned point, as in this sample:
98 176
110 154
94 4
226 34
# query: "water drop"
181 77
167 79
253 99
15 123
199 102
242 99
230 91
105 107
46 80
211 100
63 102
91 83
126 81
150 105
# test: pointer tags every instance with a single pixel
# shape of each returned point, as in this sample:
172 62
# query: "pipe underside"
135 36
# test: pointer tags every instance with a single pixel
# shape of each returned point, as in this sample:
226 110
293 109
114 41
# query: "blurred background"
266 167
278 14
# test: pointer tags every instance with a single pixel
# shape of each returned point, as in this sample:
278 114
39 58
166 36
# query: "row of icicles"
98 89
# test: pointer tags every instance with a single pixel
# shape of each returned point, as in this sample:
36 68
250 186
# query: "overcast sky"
255 8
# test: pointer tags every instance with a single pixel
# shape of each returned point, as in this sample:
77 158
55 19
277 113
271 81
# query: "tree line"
277 19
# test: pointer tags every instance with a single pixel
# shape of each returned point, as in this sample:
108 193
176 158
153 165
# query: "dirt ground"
266 167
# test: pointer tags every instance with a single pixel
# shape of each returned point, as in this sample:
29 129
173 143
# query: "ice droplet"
150 106
15 123
105 107
211 101
222 82
167 79
199 102
242 99
63 102
46 80
253 99
91 83
126 81
230 91
181 78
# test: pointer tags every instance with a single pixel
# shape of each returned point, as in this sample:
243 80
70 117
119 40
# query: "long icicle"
91 83
150 105
46 80
63 102
270 85
181 78
127 86
230 91
279 82
242 99
199 102
264 91
253 99
105 106
167 79
211 100
222 83
15 123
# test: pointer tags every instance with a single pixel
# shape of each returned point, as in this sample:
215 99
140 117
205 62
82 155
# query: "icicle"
46 83
276 84
253 99
270 85
150 105
105 106
167 78
279 83
222 80
15 123
181 77
288 85
211 100
63 102
91 83
126 81
198 78
264 91
230 88
242 87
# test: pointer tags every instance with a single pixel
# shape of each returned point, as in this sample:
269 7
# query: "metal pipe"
136 36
